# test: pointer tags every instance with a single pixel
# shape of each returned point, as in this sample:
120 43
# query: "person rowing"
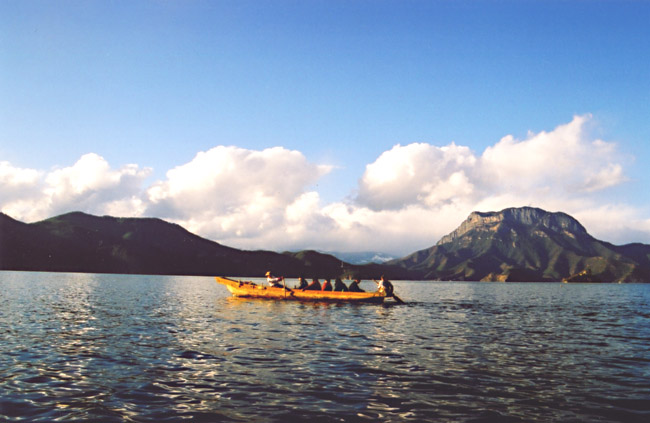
386 287
278 282
273 281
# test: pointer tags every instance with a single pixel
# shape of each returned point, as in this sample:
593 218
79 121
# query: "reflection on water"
80 347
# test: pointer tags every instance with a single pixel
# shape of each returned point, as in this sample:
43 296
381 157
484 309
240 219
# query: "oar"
398 299
284 284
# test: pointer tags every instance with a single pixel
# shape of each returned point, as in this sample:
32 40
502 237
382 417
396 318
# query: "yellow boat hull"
251 290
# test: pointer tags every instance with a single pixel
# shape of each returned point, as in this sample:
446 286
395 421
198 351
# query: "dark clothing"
354 287
327 286
302 283
339 285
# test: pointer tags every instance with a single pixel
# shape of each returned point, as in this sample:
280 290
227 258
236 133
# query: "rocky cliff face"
526 216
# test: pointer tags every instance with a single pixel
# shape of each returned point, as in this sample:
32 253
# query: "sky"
341 126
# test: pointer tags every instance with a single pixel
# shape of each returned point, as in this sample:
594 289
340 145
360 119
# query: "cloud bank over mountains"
405 200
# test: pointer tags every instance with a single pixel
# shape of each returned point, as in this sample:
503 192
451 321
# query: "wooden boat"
252 290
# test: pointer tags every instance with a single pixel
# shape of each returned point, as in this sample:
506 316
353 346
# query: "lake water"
83 347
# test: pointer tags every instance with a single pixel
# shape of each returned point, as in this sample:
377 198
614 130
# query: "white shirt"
273 281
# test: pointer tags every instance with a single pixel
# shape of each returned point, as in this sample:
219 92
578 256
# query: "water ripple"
139 349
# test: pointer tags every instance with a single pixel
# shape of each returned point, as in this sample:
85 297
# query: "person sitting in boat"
313 286
385 286
354 286
339 285
327 285
273 281
302 283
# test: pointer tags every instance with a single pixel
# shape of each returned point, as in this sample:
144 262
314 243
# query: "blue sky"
142 88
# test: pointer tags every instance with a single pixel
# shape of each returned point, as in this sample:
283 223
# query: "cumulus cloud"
18 189
233 193
398 231
408 198
416 174
17 182
89 185
565 159
615 222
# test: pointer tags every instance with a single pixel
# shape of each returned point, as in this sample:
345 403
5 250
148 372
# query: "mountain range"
79 242
515 244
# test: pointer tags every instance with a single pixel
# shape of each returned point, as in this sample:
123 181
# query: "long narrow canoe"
253 290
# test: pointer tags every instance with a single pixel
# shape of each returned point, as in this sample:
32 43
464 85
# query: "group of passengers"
278 282
338 285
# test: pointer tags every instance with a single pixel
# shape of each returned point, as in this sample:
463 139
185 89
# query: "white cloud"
399 231
608 176
17 179
406 199
564 159
231 193
18 188
615 223
89 185
562 162
416 174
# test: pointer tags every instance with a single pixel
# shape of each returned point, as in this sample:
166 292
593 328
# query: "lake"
86 347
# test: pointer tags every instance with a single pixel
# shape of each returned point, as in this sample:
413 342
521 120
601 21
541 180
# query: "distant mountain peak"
528 216
362 257
527 244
